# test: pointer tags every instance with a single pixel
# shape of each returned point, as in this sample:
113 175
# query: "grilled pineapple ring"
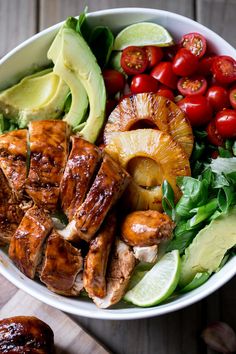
154 111
169 158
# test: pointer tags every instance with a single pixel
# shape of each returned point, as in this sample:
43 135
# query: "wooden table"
179 332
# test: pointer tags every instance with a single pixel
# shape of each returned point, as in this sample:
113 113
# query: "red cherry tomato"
114 81
226 123
218 97
195 43
212 134
154 54
205 65
185 63
166 93
192 86
143 83
134 60
232 97
163 72
224 69
169 52
197 109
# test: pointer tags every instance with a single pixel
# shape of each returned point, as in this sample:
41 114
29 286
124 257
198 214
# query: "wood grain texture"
219 15
17 22
69 337
54 11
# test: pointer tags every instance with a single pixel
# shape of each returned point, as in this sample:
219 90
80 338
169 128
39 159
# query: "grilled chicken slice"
146 228
13 154
25 334
146 254
119 273
61 266
26 245
10 212
48 155
96 260
80 168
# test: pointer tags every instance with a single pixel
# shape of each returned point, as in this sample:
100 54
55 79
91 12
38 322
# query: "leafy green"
223 165
168 197
101 42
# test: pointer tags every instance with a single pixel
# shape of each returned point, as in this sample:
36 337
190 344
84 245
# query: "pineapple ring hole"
143 124
145 171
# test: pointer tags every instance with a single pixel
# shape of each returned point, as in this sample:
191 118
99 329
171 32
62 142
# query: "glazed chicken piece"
106 189
81 165
119 273
146 254
48 155
10 212
62 266
146 228
26 245
13 153
25 334
95 265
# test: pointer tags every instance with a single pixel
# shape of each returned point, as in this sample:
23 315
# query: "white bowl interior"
32 54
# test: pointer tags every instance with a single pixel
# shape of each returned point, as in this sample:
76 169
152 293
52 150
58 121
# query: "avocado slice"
36 97
208 248
76 64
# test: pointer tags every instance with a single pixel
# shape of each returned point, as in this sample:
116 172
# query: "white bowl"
31 54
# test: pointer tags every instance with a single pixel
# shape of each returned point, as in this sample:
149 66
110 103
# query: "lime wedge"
143 33
158 283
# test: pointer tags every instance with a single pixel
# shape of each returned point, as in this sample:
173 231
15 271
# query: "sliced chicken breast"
13 154
26 245
10 212
119 273
146 254
95 265
62 266
80 168
48 155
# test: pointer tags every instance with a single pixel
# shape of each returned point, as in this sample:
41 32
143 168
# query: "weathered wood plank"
219 15
17 22
54 11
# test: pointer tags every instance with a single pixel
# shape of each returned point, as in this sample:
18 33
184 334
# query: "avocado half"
36 97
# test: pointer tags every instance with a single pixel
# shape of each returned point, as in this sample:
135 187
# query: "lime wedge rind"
141 34
158 283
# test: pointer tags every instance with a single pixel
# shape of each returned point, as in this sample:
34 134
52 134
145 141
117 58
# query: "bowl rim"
224 275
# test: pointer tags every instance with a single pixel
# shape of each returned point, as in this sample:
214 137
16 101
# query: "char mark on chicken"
48 155
81 165
26 245
25 334
96 260
119 273
106 189
13 154
10 212
62 266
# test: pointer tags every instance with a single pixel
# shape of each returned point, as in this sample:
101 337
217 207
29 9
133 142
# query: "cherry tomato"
205 65
169 52
154 54
114 81
197 109
110 105
192 86
143 83
165 92
232 97
212 134
185 63
218 97
134 60
195 43
215 154
226 123
224 69
163 72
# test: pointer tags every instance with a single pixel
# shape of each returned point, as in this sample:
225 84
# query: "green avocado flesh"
77 66
35 97
208 248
